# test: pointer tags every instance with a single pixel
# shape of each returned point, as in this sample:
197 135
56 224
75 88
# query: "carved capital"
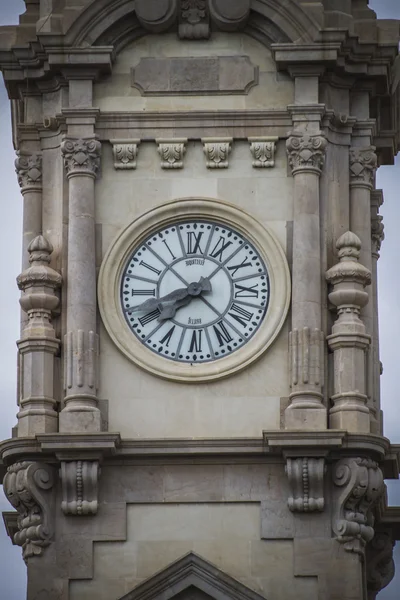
263 152
194 20
172 153
306 152
361 484
79 480
217 152
28 487
363 164
380 566
125 153
29 170
306 481
81 156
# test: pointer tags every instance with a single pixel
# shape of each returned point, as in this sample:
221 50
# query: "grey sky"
12 568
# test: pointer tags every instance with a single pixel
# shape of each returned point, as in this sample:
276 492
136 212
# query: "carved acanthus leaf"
194 22
80 487
263 152
172 153
217 152
29 170
125 153
363 164
306 480
28 486
81 155
362 484
306 152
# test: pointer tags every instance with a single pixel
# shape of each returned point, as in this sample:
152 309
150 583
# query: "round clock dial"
195 291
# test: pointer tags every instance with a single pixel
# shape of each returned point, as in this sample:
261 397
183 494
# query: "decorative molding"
217 151
380 567
29 170
194 21
363 165
362 484
306 152
79 480
171 152
377 234
263 151
27 486
81 156
306 481
125 153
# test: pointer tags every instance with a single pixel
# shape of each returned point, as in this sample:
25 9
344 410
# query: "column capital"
29 171
363 164
81 156
306 152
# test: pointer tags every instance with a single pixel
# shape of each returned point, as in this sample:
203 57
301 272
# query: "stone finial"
363 164
29 170
348 268
81 156
306 152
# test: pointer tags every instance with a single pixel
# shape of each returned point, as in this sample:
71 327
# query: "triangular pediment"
192 578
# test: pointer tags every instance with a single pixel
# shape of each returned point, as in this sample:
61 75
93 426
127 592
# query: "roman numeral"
150 267
219 248
170 251
149 317
195 343
193 242
246 292
235 268
167 338
223 335
143 292
243 316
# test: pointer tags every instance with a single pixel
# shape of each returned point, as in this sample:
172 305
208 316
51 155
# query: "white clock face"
195 291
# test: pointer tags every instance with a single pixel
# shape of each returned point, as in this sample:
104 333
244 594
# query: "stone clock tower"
198 400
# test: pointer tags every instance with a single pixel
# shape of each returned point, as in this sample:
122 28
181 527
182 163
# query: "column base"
352 421
313 417
31 423
80 421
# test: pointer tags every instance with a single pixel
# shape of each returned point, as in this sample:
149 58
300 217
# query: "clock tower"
199 398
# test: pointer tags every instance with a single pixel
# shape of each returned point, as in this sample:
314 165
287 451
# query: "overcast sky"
12 568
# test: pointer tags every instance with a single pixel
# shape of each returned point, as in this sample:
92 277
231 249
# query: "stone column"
306 410
349 341
38 343
363 163
81 413
377 234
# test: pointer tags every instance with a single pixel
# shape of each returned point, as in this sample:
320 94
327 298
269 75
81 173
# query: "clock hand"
194 289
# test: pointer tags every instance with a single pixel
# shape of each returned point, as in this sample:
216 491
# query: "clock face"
195 291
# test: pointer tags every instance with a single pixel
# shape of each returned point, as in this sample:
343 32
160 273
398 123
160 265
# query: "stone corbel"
380 567
125 153
171 152
263 151
79 479
306 481
217 151
28 487
194 20
157 16
360 485
230 16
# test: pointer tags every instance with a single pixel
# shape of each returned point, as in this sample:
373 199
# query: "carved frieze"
79 480
306 481
81 156
125 153
217 152
172 153
29 170
28 487
306 152
380 567
263 151
194 22
363 165
361 484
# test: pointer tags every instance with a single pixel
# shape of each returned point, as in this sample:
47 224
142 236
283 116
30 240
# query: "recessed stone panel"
195 75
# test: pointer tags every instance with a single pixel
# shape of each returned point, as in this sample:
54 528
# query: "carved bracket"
380 566
362 484
306 480
79 480
28 487
172 153
263 151
125 153
217 151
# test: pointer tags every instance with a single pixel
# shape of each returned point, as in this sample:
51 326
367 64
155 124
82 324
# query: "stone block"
277 522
